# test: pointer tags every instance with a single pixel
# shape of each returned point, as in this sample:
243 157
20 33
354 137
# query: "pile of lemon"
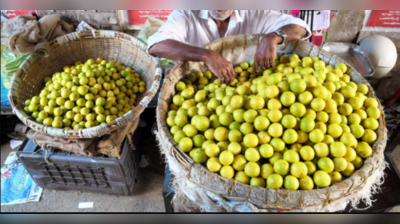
86 95
299 124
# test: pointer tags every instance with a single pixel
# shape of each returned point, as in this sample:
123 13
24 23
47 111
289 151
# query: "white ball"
381 52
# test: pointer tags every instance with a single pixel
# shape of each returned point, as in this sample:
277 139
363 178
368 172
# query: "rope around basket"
333 198
62 48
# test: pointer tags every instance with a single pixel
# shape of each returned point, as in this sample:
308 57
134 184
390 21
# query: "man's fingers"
271 61
231 75
255 64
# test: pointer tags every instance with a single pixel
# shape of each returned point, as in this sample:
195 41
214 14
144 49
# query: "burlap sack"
33 37
11 26
213 193
109 145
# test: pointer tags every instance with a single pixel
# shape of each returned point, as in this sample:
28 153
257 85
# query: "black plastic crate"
72 172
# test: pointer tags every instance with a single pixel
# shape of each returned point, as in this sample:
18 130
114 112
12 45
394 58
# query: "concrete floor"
146 197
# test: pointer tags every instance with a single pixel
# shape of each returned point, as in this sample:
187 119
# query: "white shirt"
197 27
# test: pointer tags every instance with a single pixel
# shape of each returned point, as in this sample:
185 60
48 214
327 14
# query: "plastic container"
72 172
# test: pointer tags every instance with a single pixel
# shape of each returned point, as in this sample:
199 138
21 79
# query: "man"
184 34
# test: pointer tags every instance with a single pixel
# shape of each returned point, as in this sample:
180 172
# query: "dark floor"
146 196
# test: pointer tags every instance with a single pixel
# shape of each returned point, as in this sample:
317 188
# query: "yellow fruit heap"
300 124
86 95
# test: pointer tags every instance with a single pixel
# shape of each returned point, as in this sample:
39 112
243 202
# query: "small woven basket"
210 191
81 46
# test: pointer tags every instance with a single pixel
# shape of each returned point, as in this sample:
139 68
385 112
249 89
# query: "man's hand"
220 67
266 51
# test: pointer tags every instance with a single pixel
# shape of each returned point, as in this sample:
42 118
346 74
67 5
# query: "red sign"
14 13
138 17
385 18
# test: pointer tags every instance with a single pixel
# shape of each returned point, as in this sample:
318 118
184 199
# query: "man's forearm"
293 32
177 51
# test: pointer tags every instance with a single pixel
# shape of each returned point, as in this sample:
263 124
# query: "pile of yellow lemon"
299 124
86 95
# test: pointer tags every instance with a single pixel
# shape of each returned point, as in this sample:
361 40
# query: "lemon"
252 155
266 151
266 170
364 150
357 130
250 115
349 170
246 128
369 136
186 144
338 149
238 115
335 130
373 112
281 167
242 177
298 85
261 123
275 130
316 136
288 98
274 181
357 162
212 150
274 79
354 118
252 169
355 102
318 104
272 91
348 139
239 162
335 118
335 176
371 123
235 148
226 158
320 92
227 172
274 104
275 157
302 137
199 155
235 136
362 88
288 121
275 115
307 124
348 91
370 102
298 169
305 97
306 183
322 179
250 140
340 164
291 156
290 136
291 182
297 109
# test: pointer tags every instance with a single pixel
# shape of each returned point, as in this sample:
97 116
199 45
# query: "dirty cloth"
109 145
33 37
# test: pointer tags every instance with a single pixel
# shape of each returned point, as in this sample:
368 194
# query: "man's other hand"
220 67
266 52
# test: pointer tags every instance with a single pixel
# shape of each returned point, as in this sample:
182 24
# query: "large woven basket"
81 46
211 192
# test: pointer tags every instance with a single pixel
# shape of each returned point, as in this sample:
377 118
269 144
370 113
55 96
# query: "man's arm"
266 51
175 50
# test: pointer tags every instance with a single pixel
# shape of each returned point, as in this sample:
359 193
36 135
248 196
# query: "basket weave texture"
81 46
212 192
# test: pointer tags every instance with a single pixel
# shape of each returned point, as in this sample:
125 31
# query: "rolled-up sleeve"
175 28
277 20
